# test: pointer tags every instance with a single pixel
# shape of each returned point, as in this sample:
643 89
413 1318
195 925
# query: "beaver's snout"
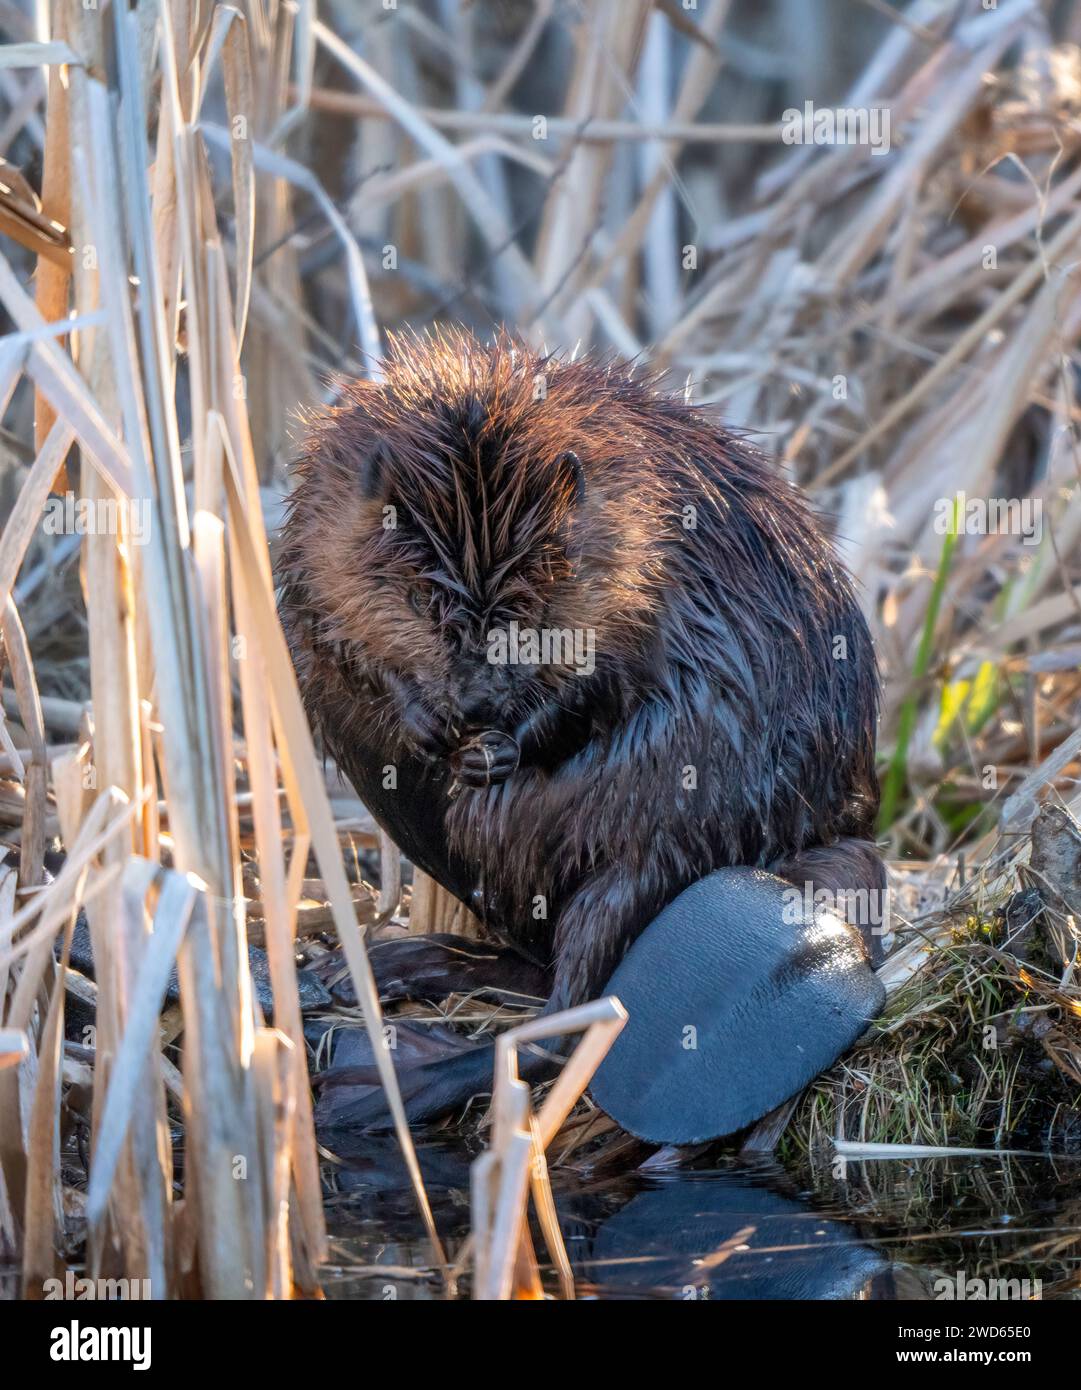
484 697
477 708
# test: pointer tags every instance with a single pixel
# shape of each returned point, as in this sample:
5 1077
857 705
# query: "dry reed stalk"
51 289
256 64
489 222
14 1046
390 877
596 132
433 909
501 1179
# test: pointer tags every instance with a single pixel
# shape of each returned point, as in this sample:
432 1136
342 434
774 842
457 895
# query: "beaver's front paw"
427 731
487 759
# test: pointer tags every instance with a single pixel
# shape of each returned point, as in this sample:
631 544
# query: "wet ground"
908 1229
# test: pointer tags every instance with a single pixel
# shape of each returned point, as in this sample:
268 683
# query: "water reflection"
734 1231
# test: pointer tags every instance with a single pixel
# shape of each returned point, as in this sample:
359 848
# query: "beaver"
575 644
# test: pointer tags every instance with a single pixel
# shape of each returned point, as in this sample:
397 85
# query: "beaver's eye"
418 602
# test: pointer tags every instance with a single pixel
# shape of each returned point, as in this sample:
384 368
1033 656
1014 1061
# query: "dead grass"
979 1046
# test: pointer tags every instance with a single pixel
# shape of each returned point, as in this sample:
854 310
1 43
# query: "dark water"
886 1230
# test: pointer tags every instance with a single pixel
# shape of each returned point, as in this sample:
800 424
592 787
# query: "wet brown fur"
555 494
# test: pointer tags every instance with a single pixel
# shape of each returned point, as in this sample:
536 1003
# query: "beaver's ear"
569 471
374 474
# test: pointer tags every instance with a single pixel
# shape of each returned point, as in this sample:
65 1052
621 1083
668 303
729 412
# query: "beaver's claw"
486 760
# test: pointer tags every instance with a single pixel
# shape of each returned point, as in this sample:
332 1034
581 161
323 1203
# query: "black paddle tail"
737 996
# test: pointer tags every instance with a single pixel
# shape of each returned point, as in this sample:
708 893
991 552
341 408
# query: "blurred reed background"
207 212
